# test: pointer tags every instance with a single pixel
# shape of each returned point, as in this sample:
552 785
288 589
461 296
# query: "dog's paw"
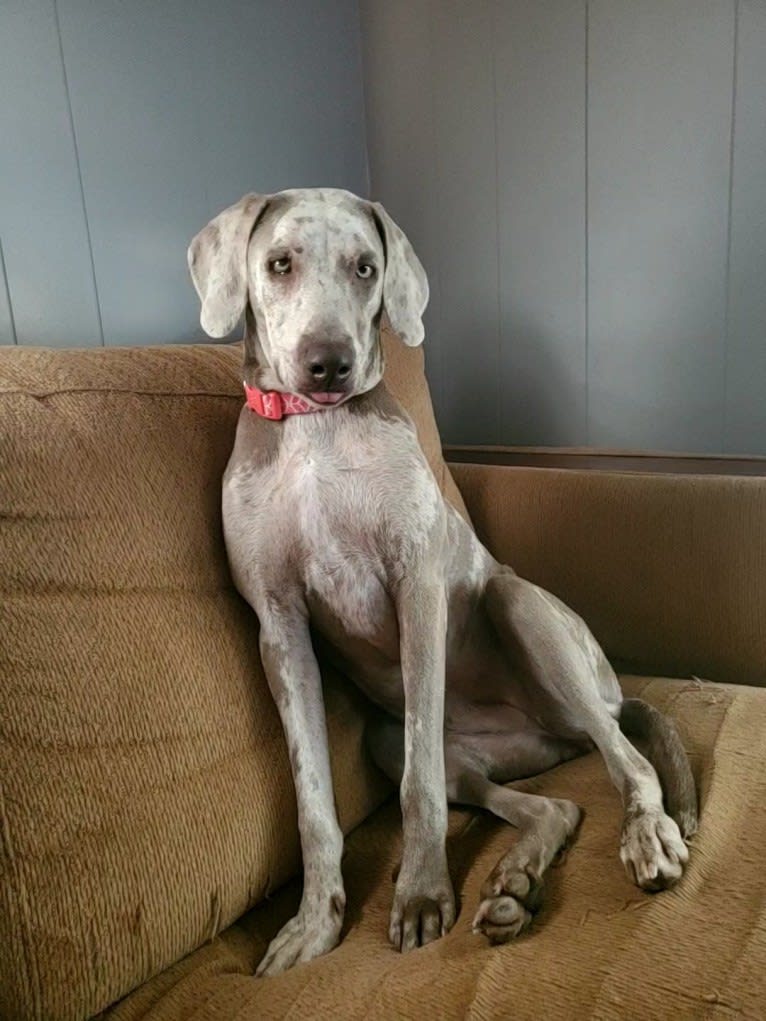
304 937
422 911
513 892
509 898
653 850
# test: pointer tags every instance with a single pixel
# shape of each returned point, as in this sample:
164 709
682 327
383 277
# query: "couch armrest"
668 570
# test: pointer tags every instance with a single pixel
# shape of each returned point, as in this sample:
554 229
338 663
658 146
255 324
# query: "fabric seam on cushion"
44 394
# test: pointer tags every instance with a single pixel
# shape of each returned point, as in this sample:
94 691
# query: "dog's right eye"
280 266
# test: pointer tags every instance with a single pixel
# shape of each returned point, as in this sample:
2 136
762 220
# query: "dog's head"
313 269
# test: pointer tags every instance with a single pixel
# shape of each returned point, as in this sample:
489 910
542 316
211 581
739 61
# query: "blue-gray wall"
585 181
586 184
126 124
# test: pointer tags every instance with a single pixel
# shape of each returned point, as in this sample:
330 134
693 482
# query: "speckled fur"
334 522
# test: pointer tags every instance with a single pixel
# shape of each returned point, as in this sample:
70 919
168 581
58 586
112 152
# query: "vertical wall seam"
586 127
79 172
500 374
7 287
730 203
365 132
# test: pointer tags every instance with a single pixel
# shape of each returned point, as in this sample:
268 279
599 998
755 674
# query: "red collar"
274 405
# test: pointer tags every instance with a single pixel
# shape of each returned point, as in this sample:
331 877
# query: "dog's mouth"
328 397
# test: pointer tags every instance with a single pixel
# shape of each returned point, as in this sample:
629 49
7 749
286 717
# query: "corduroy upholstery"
668 570
599 949
146 791
145 795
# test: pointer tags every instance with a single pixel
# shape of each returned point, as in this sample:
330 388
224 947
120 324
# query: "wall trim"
587 459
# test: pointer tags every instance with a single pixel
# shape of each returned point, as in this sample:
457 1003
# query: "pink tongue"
326 398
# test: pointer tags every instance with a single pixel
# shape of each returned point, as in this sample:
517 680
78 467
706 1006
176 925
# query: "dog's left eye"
280 266
364 270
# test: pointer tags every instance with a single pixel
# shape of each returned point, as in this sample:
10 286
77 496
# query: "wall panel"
462 184
126 126
659 132
746 352
42 219
587 184
278 96
540 103
130 80
398 54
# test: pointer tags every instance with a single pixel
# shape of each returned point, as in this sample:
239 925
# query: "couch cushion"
600 948
146 799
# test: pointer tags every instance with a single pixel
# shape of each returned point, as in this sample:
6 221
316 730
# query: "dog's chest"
322 515
336 527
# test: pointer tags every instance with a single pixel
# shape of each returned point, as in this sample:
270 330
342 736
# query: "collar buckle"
266 403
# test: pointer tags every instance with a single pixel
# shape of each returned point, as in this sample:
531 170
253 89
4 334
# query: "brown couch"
147 820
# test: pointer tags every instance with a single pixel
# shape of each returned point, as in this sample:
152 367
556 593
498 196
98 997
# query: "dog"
339 538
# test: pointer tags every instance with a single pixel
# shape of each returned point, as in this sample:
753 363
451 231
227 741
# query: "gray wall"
127 124
586 184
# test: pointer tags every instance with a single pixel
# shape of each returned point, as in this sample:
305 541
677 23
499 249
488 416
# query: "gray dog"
337 534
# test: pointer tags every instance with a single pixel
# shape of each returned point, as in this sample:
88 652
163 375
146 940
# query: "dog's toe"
501 918
510 897
418 920
301 939
653 850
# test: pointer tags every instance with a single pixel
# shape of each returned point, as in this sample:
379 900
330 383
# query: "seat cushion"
599 948
145 792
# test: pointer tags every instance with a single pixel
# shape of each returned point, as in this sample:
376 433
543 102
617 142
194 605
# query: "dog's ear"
405 284
217 260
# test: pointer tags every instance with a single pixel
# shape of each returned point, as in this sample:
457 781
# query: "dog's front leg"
293 675
424 903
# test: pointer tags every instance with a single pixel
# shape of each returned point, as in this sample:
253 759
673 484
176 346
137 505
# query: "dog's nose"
328 369
327 363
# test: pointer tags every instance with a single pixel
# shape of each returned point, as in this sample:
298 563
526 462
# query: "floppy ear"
405 284
218 264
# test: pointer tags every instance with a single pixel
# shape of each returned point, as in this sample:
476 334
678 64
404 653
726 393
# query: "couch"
148 841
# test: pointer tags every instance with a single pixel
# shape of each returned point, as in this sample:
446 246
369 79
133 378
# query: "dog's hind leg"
577 695
666 753
513 890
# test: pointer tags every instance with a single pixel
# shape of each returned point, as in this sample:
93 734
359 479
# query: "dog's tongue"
326 398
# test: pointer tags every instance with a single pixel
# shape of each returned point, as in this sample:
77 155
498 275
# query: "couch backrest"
145 791
669 571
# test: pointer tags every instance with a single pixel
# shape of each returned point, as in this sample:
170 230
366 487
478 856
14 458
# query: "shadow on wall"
533 399
544 399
